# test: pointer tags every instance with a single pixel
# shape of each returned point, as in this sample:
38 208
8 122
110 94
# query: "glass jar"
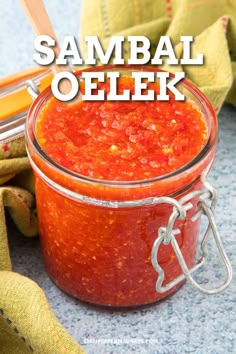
121 243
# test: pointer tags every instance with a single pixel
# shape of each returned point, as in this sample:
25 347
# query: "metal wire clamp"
166 235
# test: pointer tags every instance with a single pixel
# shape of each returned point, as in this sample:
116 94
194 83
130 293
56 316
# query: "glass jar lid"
15 100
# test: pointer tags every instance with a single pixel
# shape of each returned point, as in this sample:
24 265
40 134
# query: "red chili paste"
122 141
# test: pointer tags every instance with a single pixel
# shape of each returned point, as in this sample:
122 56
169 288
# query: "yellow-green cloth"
211 22
27 324
16 194
26 321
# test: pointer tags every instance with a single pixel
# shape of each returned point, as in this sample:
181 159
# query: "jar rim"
187 85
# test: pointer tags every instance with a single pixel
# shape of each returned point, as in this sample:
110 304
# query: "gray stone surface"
187 322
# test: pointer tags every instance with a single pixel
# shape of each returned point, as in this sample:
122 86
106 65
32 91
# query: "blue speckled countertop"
187 322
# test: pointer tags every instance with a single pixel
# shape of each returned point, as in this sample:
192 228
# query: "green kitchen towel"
211 22
27 323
